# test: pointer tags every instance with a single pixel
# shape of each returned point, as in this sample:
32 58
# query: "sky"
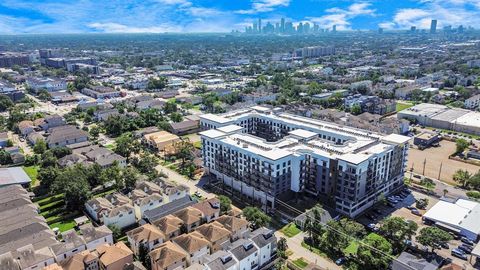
159 16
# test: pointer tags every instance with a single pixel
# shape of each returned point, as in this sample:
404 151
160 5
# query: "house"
14 176
114 257
210 208
96 236
71 244
101 92
191 217
83 260
49 84
407 261
195 245
184 127
103 115
118 213
238 227
30 258
266 242
161 141
174 192
169 225
25 127
147 235
168 208
472 102
168 256
221 260
105 157
216 234
139 133
65 135
143 202
52 121
246 253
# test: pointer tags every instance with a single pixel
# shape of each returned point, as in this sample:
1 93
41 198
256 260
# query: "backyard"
32 172
52 208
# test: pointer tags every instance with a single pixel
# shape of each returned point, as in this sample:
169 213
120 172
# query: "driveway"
194 185
295 245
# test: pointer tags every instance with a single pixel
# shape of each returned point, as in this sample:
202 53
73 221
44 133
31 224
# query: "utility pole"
440 171
424 163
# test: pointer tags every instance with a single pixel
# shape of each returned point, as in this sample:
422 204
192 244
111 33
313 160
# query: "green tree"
76 192
113 174
94 132
433 237
462 144
145 163
462 177
126 144
356 109
40 147
5 157
47 176
256 217
44 95
116 232
176 117
225 204
130 176
421 203
154 84
397 230
60 152
5 103
374 252
143 255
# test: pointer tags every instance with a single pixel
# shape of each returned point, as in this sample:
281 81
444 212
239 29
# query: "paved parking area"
401 211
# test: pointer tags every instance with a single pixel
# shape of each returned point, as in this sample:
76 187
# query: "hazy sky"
156 16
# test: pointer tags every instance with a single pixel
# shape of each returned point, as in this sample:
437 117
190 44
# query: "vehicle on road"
341 261
459 254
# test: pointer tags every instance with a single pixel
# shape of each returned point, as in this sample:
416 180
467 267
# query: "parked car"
416 212
445 245
465 248
411 207
467 241
459 254
372 227
341 261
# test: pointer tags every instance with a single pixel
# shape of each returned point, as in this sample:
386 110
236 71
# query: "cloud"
446 12
341 17
259 6
120 28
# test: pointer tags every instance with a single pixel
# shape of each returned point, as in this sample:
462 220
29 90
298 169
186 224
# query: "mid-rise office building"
266 154
312 52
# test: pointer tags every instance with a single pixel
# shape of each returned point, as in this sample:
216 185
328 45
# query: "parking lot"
400 210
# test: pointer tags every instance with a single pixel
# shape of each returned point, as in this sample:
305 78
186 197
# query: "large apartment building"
267 154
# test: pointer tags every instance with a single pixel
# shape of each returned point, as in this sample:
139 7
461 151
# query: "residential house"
195 245
52 121
216 234
191 217
246 253
168 208
114 257
147 235
184 127
71 244
103 115
161 141
472 102
210 208
222 260
143 202
30 258
96 236
173 192
169 225
85 260
118 213
65 135
238 227
25 127
105 157
150 104
266 242
168 256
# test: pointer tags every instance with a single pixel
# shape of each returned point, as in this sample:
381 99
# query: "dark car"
467 241
444 245
459 254
416 212
341 261
465 248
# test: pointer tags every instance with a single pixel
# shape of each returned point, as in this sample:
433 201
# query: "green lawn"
198 145
63 225
300 262
403 106
290 230
32 172
351 249
110 146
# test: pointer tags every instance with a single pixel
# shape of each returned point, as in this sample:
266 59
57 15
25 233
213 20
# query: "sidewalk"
295 245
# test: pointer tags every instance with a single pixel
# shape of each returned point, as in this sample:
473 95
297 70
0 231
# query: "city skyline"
158 16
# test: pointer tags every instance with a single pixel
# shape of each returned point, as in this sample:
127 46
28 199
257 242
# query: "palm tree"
462 177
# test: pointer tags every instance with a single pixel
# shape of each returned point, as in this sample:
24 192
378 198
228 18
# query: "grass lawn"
290 230
110 146
351 249
300 262
197 145
32 172
403 106
64 225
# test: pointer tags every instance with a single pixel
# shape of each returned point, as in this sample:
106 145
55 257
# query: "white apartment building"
266 154
49 84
